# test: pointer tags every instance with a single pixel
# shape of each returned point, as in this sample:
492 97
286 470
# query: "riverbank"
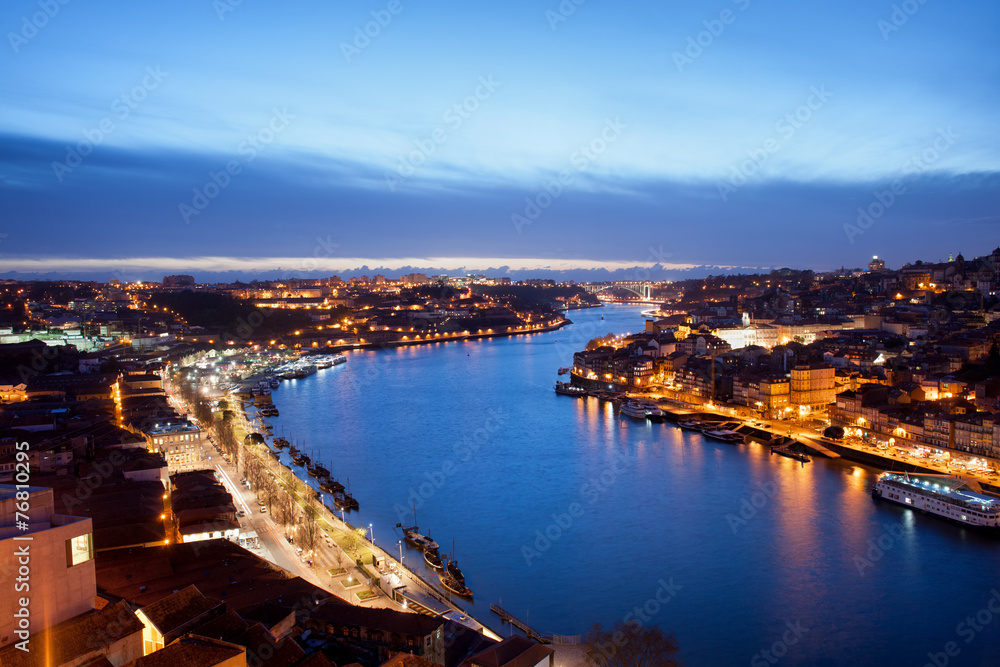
816 443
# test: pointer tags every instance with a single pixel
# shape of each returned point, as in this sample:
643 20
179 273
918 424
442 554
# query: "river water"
568 515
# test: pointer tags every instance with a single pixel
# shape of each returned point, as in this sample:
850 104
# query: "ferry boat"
567 389
654 414
943 495
634 409
338 359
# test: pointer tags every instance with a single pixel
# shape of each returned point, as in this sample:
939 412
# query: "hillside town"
904 358
139 491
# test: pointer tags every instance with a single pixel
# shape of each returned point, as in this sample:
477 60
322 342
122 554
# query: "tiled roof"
390 620
75 638
190 651
174 611
511 652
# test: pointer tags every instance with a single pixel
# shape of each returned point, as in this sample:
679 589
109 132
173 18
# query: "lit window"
79 550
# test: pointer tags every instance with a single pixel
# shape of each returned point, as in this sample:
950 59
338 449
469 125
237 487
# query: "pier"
529 632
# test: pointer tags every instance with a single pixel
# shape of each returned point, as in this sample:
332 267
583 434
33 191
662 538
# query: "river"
568 515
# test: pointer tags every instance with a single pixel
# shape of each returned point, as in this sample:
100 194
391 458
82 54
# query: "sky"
221 136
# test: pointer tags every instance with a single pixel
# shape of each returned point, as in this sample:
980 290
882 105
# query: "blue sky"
736 133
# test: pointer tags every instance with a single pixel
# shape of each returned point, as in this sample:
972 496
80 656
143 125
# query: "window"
79 550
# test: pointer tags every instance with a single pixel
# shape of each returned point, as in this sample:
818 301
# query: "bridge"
641 290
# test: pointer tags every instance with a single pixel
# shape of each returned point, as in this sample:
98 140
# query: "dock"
818 447
529 632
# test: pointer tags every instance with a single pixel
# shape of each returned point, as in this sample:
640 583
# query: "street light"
400 543
371 536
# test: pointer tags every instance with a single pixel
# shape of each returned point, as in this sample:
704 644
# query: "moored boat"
945 496
633 409
455 586
433 558
724 435
784 450
567 389
453 566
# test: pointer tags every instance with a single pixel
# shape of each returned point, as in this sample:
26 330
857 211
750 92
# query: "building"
813 386
513 652
391 631
876 264
59 557
112 633
178 440
170 618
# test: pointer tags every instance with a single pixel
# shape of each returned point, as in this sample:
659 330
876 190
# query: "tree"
310 525
600 341
631 645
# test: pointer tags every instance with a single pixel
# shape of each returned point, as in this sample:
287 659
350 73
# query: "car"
241 513
263 509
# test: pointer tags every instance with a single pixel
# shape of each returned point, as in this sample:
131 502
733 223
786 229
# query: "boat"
453 566
275 383
784 450
945 496
654 414
635 409
298 459
344 502
280 442
567 389
413 536
692 425
455 586
724 435
331 485
418 540
339 359
433 558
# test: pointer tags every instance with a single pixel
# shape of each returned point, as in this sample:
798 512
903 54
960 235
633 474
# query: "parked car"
263 509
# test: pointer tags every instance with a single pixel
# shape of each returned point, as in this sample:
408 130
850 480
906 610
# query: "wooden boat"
455 586
433 558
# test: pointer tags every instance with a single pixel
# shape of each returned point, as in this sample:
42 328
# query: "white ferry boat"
943 495
634 409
